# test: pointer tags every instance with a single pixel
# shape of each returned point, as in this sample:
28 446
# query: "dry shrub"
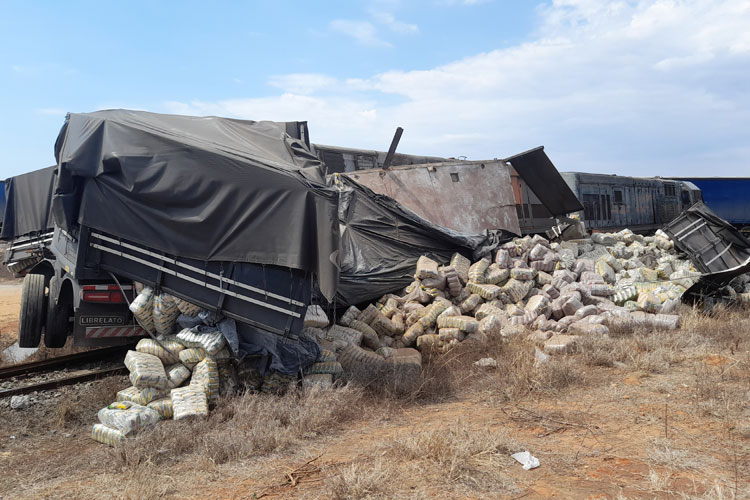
516 375
475 457
245 426
75 406
647 350
361 481
718 492
717 392
666 453
601 350
452 373
557 374
144 481
726 327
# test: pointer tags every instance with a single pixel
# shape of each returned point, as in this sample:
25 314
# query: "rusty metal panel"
469 197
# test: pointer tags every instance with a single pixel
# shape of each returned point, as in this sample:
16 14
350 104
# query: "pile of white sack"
172 376
582 287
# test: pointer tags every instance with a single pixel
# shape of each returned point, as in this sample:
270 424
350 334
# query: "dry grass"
660 484
457 460
144 481
450 457
725 327
516 375
459 454
667 453
75 408
362 481
245 426
717 492
458 450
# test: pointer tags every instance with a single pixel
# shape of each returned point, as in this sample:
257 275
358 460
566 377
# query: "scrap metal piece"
716 249
392 149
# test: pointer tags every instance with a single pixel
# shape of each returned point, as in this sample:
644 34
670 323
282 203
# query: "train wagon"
727 197
643 204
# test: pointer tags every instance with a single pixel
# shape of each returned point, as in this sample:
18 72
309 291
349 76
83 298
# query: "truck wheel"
32 316
56 332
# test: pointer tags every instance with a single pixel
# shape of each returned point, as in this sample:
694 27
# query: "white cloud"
362 31
51 111
636 87
393 24
302 83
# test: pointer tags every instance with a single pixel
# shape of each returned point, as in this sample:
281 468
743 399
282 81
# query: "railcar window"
669 190
618 196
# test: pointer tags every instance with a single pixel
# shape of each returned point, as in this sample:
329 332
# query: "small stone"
20 402
486 363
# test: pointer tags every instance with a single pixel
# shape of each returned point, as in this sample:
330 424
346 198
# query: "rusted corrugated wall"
469 197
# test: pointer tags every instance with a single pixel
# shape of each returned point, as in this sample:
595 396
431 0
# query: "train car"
2 203
727 197
613 202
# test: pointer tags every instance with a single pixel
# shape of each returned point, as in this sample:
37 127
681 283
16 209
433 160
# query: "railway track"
20 379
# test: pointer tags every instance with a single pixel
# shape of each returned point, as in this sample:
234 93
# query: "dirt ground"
641 415
10 302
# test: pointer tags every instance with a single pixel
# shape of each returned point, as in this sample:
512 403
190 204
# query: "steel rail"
61 361
81 376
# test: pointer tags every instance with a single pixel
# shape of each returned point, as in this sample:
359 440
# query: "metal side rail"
267 297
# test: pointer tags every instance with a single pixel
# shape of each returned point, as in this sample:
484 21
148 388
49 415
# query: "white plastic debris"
20 402
540 357
486 363
526 459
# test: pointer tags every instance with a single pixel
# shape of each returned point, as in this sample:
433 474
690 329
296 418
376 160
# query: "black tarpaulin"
28 200
540 174
381 242
207 188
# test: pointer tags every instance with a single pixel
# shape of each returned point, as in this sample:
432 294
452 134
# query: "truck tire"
56 332
32 316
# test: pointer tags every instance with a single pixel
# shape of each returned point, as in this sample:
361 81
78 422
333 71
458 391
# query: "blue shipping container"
728 197
2 201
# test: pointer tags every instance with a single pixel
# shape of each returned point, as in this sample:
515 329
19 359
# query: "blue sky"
654 87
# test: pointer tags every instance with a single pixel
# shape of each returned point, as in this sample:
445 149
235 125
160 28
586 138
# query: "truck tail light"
108 294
